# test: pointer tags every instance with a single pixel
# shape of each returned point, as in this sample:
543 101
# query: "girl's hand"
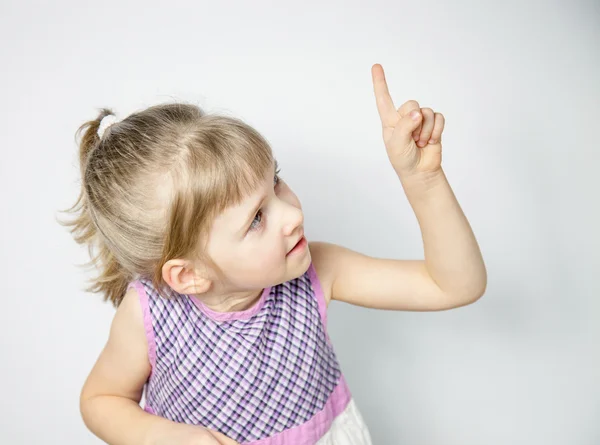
413 144
223 439
184 434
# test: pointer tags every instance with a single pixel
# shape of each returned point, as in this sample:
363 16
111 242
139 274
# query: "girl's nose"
295 218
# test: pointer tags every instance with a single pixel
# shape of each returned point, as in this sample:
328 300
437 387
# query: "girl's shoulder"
123 366
323 259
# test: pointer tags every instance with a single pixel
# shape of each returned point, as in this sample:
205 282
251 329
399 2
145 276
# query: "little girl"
221 301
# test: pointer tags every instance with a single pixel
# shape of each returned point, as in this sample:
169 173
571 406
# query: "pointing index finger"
385 106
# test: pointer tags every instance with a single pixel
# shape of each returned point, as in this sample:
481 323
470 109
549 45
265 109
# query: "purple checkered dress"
250 374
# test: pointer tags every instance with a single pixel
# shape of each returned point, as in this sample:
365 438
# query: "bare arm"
452 254
453 272
110 397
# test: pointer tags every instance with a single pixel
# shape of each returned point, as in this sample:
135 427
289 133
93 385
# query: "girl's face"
260 242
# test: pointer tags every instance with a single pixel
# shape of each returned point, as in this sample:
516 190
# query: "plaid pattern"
248 379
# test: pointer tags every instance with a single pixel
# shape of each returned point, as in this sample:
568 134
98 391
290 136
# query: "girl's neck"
230 303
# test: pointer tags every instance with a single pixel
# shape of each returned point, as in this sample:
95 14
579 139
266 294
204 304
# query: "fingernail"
431 141
414 115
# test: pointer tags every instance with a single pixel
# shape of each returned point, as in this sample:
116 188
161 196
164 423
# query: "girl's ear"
183 278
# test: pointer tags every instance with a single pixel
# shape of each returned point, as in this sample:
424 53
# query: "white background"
519 85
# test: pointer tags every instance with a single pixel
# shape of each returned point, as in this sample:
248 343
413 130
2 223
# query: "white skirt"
348 428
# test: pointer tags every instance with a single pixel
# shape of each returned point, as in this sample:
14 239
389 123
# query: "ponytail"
113 279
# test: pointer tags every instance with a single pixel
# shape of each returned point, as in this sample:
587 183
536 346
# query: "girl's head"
188 199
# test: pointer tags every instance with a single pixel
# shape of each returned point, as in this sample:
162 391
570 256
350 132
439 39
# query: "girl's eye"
257 221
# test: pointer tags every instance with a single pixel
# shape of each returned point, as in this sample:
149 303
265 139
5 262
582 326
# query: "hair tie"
106 122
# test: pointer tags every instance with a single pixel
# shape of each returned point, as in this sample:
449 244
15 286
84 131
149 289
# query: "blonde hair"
152 185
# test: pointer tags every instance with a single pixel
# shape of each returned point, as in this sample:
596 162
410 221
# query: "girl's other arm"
110 397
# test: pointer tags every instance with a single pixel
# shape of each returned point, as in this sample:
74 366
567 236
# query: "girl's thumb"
406 126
